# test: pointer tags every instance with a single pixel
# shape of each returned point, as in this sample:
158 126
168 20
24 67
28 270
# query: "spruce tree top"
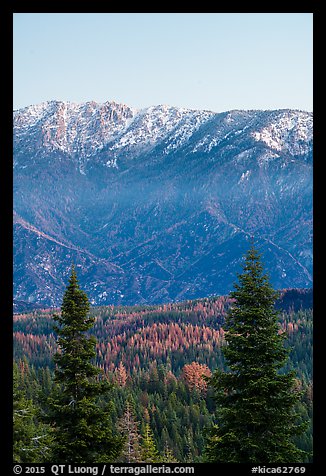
75 306
254 288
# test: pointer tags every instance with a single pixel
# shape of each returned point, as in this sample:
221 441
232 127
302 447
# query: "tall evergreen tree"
149 453
83 428
255 400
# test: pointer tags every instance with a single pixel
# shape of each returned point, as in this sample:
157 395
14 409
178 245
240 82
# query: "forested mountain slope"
157 205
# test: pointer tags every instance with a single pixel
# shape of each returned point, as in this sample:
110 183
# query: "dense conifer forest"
156 358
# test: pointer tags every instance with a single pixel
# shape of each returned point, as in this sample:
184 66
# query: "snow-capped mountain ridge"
157 204
85 129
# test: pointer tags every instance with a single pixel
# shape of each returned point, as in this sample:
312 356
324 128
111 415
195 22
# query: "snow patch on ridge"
290 131
155 123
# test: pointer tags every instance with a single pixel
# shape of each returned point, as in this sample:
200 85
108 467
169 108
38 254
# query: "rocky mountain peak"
76 129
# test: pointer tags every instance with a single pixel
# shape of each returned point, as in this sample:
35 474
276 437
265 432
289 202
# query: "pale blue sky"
214 61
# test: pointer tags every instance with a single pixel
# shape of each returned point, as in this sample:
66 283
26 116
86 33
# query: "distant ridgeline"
295 299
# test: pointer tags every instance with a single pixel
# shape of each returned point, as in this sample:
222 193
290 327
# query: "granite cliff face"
158 204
